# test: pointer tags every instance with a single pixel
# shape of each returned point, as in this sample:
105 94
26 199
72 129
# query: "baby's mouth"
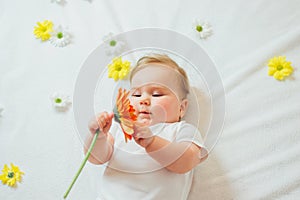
145 112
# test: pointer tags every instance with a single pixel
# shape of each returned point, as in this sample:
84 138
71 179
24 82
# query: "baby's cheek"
172 110
159 112
167 105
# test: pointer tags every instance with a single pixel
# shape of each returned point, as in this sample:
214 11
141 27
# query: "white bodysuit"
132 174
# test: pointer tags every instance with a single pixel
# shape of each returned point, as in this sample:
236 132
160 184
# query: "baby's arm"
178 157
103 148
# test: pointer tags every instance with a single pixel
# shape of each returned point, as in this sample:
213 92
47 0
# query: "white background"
257 154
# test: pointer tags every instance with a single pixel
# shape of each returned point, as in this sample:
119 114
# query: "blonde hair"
164 60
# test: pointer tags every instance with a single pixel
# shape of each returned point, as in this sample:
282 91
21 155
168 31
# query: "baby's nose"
145 101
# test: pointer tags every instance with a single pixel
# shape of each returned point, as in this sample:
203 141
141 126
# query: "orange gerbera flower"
124 113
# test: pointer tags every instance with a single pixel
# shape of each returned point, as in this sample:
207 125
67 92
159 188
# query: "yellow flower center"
118 68
44 29
10 174
199 28
279 67
58 100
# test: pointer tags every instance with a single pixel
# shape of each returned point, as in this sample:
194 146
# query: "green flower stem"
83 163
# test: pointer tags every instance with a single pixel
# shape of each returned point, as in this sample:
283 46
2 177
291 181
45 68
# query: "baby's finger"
101 118
111 115
93 126
107 118
101 123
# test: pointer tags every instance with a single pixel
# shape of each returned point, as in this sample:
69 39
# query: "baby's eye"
136 95
157 95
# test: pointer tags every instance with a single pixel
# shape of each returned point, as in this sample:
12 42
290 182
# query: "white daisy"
112 46
1 109
202 28
61 102
60 37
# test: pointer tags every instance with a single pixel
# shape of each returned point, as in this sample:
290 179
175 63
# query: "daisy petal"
203 29
60 37
10 176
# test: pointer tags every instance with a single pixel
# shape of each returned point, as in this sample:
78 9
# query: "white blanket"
256 154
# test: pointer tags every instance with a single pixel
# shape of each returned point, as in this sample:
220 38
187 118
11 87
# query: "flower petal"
271 71
279 67
11 176
126 113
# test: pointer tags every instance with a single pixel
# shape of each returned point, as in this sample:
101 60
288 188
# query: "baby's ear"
183 107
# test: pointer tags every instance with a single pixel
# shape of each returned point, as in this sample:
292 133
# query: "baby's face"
155 95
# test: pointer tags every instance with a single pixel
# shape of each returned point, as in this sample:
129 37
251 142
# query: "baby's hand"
102 122
142 134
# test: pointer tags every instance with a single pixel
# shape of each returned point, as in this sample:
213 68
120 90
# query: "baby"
159 163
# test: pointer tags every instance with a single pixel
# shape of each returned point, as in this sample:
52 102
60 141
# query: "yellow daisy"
43 30
279 68
118 69
11 176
